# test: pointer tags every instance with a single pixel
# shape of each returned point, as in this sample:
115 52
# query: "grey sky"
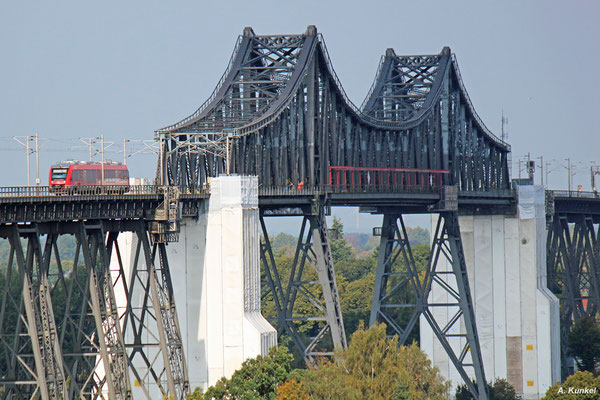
78 69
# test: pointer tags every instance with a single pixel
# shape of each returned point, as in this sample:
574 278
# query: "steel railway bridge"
416 145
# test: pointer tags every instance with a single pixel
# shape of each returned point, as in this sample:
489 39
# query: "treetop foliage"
257 379
578 386
372 367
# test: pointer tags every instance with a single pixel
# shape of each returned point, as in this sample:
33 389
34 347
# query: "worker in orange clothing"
300 185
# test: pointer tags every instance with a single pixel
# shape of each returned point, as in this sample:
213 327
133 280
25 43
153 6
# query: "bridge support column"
44 373
327 322
146 302
402 294
516 315
63 325
573 248
215 271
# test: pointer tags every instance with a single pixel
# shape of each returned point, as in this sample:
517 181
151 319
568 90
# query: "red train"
77 176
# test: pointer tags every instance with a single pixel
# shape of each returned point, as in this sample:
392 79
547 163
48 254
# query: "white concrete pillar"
517 316
215 270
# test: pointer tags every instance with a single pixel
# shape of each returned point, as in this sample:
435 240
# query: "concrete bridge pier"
215 273
517 317
215 269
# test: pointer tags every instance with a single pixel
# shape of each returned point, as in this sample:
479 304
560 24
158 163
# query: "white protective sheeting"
529 198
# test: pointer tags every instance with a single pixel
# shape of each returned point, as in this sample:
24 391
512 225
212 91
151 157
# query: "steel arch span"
280 112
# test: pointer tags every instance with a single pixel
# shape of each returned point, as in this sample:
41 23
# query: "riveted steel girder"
295 122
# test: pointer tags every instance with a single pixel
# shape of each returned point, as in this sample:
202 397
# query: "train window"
123 175
110 174
59 173
91 177
77 175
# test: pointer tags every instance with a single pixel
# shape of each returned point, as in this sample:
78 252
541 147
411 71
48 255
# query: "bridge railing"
294 190
31 191
344 179
576 193
386 179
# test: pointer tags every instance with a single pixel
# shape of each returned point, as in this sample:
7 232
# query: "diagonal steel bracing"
403 293
33 364
104 310
150 325
320 328
62 333
573 264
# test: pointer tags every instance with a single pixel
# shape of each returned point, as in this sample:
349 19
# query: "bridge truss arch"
281 113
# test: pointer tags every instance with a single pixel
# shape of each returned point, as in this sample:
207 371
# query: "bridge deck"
575 203
39 204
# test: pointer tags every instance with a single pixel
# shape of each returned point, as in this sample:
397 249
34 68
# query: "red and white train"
77 176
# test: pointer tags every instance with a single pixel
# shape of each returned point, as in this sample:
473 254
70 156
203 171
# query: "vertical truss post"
14 369
316 287
402 293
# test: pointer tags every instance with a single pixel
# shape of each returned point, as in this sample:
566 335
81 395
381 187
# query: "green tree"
374 367
417 236
355 299
330 382
503 390
582 385
340 249
195 395
584 343
285 243
258 378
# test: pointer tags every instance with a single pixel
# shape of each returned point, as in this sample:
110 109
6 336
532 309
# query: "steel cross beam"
573 264
315 289
402 293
